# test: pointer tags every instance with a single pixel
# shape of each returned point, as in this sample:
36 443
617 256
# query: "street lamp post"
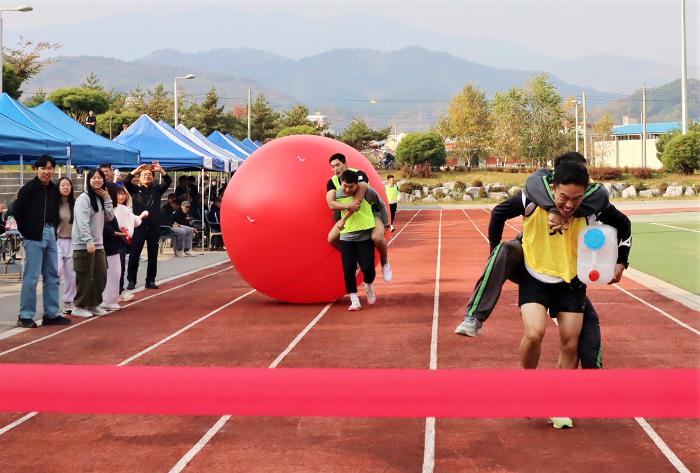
21 8
188 76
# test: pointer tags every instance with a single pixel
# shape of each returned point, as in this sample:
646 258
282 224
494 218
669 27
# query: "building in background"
625 147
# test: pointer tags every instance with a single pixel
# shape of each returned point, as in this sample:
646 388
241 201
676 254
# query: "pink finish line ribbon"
472 393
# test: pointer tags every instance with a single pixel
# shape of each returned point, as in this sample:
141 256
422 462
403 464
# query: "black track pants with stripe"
506 262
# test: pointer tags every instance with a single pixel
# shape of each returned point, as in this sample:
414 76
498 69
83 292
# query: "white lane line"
474 223
675 461
91 319
662 312
141 353
508 224
648 429
184 329
677 228
429 442
202 442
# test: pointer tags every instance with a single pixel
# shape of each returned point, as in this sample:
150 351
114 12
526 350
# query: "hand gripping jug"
597 254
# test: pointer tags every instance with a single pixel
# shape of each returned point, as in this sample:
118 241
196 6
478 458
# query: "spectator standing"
65 242
127 222
392 193
92 209
91 121
36 214
2 218
214 222
146 196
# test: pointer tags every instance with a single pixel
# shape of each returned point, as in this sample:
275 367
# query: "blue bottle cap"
594 239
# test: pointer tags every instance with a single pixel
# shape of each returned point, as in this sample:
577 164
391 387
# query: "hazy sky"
129 29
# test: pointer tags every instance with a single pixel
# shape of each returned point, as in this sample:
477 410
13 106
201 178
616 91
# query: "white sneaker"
180 253
110 307
386 272
190 253
97 310
354 302
143 258
371 296
81 312
126 296
68 307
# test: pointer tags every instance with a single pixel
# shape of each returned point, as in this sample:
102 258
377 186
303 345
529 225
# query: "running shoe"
561 422
371 296
386 272
469 327
354 303
58 320
97 310
80 312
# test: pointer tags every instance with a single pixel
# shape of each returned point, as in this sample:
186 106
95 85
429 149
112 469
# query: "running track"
212 318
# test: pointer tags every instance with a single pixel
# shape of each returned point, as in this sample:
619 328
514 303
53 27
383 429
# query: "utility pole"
576 102
684 75
248 112
585 128
644 125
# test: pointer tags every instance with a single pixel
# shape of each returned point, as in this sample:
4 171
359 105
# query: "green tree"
11 81
682 153
528 122
38 98
419 148
298 130
468 123
77 101
110 123
666 137
92 82
264 121
296 116
160 105
135 101
358 134
603 132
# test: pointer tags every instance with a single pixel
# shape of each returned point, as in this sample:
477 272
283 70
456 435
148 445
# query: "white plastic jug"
597 254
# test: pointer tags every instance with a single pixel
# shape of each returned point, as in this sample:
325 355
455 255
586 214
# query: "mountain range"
409 88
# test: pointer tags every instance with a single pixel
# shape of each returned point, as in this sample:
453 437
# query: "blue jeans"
41 258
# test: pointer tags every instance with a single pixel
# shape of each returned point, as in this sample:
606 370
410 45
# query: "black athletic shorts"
558 297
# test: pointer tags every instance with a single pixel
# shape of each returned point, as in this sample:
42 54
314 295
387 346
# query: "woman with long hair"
127 222
114 240
65 242
92 208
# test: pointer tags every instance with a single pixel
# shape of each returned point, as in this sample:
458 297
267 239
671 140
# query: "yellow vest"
392 193
336 179
363 219
555 254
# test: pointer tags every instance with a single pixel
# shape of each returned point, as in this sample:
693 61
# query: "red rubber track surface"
395 333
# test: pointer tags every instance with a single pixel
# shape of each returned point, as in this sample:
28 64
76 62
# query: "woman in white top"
127 222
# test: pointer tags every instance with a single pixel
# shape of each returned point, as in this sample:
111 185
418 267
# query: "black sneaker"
26 323
58 320
151 285
131 286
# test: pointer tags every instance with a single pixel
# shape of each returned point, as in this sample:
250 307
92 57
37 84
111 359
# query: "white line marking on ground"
91 319
143 352
662 312
429 443
648 429
474 223
508 224
677 228
202 442
675 461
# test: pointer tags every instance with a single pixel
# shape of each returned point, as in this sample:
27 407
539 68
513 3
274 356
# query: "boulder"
449 185
689 191
467 198
426 190
418 193
496 188
674 191
476 192
455 195
497 195
629 192
436 190
649 193
430 198
514 190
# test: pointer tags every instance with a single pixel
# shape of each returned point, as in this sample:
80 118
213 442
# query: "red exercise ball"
275 220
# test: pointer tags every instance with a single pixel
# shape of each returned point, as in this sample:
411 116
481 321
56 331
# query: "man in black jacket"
36 213
146 196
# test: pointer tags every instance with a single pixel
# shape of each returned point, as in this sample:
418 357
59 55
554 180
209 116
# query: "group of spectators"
91 240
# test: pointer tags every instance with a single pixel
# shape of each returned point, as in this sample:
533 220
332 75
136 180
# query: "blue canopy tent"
197 137
257 142
217 138
250 144
217 163
20 144
238 144
99 149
